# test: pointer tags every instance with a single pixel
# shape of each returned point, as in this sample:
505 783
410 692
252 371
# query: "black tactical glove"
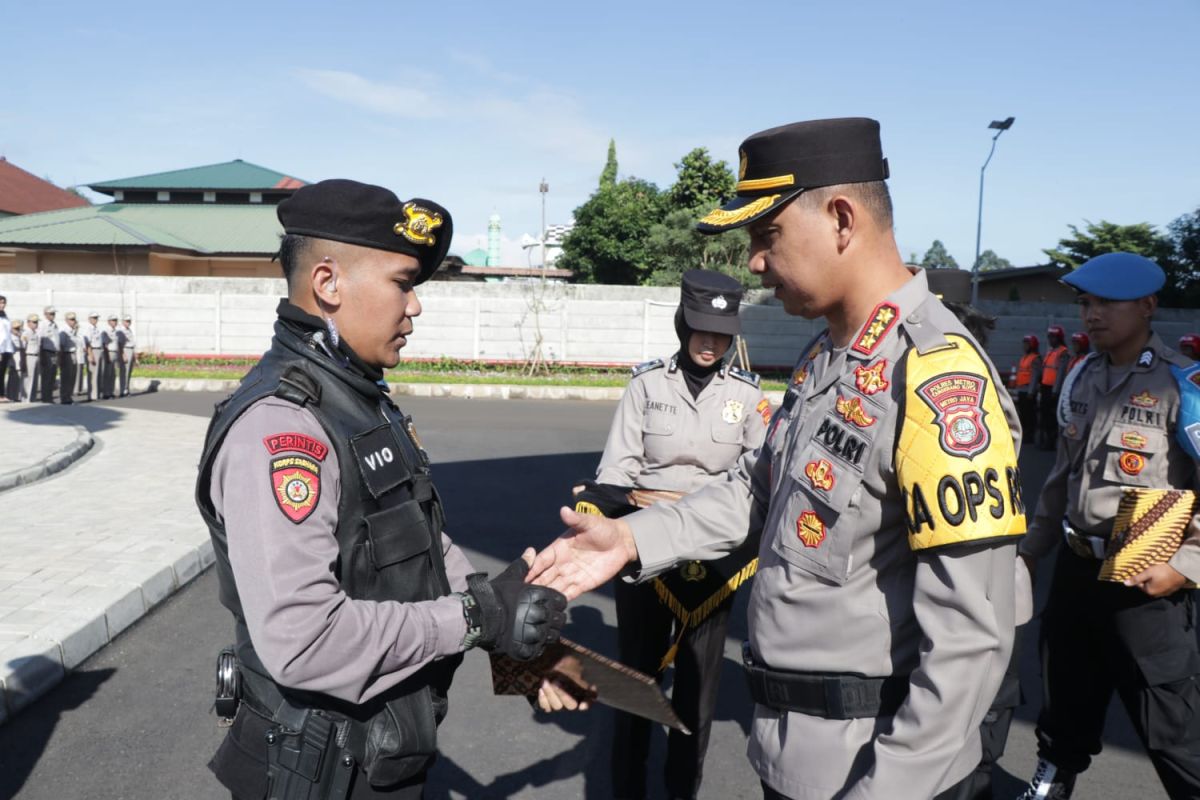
518 619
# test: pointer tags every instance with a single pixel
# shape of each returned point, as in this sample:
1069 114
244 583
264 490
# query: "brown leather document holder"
588 676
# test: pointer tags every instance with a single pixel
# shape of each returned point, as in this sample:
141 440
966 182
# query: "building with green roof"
216 220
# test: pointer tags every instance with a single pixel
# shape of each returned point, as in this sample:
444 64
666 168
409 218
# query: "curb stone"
55 462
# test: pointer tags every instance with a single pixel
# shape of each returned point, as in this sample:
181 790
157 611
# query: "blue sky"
471 104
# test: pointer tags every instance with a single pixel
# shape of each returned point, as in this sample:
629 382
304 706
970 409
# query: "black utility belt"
821 694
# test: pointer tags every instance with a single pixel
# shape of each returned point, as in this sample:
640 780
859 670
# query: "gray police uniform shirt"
1111 437
886 452
49 333
307 632
662 438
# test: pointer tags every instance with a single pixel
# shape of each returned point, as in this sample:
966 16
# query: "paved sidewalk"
37 441
87 552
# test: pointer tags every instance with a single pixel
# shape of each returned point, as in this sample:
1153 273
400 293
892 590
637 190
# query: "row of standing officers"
91 361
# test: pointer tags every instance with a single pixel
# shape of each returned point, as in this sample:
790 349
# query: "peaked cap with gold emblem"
776 165
370 216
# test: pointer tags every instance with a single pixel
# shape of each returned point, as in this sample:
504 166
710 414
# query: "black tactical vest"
389 539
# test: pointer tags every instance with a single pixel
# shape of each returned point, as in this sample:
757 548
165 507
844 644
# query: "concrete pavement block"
126 609
77 635
29 669
158 587
186 567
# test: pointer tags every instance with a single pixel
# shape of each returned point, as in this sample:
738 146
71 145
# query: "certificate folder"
589 676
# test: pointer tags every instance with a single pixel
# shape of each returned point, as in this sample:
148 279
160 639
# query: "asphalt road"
134 721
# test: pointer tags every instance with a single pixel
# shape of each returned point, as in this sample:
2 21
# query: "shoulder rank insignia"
1146 357
882 319
646 366
419 224
744 375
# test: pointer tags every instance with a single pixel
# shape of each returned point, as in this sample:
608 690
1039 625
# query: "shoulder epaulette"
744 375
646 366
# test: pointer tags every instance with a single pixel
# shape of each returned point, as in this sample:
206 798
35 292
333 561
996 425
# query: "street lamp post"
543 189
1000 126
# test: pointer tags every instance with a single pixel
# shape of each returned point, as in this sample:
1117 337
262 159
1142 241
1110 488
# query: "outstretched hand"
591 551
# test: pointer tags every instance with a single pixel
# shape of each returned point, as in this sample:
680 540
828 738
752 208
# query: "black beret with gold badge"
776 165
370 216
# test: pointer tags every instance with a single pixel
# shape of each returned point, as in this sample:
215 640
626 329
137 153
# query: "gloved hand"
519 619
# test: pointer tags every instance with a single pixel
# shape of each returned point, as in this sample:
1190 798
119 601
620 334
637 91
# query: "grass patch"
441 371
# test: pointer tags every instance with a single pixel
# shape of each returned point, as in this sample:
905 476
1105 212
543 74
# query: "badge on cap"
419 224
720 303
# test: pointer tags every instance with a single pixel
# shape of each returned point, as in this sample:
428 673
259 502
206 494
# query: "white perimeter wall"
596 324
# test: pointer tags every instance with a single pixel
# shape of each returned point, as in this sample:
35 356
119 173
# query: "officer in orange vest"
1054 372
1026 386
1189 345
1082 345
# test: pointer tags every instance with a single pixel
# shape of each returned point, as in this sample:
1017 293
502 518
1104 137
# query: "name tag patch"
380 460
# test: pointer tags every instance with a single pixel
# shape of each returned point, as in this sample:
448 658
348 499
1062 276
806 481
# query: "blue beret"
1117 276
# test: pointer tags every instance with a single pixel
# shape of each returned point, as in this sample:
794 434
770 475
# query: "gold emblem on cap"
419 224
722 218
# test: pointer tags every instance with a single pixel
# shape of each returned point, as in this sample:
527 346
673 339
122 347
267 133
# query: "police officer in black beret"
352 607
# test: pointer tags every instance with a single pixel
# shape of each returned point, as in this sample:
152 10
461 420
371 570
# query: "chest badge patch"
733 411
1133 440
296 481
820 474
810 529
1144 400
882 320
764 409
852 411
870 380
1131 463
956 399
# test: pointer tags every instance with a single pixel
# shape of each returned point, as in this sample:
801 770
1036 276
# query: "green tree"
674 247
989 261
700 183
1107 237
608 176
608 242
1184 235
936 257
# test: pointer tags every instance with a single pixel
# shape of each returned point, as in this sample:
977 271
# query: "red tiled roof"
24 193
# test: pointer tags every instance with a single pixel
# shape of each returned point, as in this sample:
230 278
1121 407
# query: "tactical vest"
388 533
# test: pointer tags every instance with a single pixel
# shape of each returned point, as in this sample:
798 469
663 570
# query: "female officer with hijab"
681 424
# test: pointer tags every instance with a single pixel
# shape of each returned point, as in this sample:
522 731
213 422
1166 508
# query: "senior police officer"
886 493
70 347
31 368
48 349
110 358
681 423
95 354
352 606
1119 414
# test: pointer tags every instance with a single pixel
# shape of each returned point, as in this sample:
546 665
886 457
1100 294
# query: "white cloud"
384 98
482 65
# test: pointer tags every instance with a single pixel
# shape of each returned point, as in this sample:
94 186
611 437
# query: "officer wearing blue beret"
1120 417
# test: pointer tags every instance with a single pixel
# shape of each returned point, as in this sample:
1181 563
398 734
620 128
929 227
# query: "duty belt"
1084 545
827 695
